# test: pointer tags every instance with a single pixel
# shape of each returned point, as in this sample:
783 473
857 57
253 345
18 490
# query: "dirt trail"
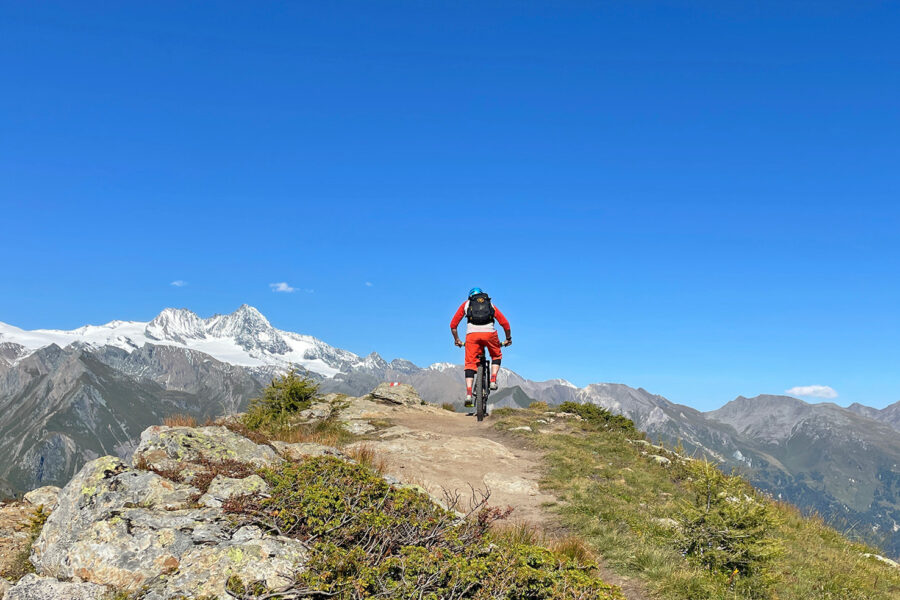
441 450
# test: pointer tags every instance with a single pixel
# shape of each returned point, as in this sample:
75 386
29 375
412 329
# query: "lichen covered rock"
224 488
117 526
206 569
167 448
136 530
397 393
33 587
43 496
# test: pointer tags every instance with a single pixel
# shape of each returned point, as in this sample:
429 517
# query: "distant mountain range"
69 396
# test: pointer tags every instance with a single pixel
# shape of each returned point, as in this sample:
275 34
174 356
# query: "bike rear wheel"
481 390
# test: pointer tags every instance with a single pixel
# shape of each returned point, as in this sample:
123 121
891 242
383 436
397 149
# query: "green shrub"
370 539
538 405
597 415
281 400
729 529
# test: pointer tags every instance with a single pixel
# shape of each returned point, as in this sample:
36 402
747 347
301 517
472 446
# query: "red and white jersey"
471 327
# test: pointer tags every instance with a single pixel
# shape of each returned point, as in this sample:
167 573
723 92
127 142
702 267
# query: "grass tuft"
180 420
366 456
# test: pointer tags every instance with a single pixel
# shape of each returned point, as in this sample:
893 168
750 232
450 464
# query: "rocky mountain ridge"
172 522
69 397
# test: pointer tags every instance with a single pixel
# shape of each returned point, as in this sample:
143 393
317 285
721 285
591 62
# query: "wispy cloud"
179 283
812 391
282 287
369 284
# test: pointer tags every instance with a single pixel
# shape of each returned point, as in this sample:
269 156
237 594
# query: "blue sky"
693 198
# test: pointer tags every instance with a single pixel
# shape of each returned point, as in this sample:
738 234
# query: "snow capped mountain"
244 337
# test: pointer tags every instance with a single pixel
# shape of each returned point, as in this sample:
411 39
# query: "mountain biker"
480 314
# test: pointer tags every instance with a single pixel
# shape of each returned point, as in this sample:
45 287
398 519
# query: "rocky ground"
157 524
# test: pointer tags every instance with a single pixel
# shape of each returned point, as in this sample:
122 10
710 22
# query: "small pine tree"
597 415
284 397
729 529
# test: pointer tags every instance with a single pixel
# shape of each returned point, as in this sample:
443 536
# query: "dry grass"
297 435
573 547
366 456
180 420
448 406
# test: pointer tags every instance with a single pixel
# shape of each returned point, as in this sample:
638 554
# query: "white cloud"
179 283
812 391
282 287
369 284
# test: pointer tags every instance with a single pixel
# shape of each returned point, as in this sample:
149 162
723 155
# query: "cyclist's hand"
506 343
459 343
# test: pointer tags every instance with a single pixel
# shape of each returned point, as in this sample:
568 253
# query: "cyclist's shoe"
493 385
470 401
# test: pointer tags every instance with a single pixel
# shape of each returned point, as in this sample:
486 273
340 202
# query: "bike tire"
481 394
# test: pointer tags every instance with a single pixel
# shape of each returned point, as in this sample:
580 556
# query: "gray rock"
33 587
44 496
4 587
301 450
316 412
883 559
223 488
358 426
667 523
205 570
168 447
397 393
116 526
661 460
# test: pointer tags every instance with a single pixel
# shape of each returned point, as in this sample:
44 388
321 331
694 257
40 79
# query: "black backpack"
481 310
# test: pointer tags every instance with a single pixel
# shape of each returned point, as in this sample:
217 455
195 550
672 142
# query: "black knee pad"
470 373
496 362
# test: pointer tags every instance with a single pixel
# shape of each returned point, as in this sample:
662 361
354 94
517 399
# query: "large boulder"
167 448
249 555
34 587
397 393
43 496
118 526
136 530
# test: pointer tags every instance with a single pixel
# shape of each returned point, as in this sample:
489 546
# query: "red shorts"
476 341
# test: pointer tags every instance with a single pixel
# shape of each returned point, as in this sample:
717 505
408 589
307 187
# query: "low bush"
448 406
369 539
599 416
281 400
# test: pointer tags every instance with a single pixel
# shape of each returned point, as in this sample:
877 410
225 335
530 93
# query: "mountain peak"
176 324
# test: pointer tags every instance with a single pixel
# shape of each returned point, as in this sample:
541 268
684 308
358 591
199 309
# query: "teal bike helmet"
474 291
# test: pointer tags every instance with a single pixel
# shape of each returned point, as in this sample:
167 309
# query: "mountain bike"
482 388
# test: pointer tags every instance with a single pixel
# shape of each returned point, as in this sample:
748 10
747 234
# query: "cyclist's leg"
471 365
493 346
